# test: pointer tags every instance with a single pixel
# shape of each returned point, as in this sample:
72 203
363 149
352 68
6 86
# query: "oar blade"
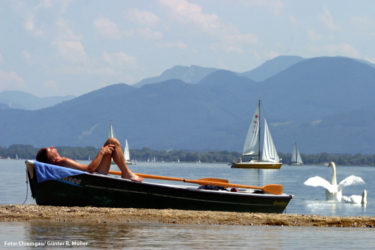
273 189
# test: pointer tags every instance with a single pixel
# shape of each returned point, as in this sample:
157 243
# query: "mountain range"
23 100
191 74
324 104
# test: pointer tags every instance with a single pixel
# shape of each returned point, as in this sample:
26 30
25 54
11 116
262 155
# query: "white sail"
299 158
111 133
126 151
252 143
269 150
296 156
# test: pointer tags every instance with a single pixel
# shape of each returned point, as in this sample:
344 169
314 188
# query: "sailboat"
296 156
111 134
269 159
127 153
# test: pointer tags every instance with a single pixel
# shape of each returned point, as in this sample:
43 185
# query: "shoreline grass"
22 213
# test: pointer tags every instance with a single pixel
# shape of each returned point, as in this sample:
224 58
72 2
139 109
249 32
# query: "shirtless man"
101 163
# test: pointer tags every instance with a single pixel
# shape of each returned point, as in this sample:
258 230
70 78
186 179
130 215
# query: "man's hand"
108 149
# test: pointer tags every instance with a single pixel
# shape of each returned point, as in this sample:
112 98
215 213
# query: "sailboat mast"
259 159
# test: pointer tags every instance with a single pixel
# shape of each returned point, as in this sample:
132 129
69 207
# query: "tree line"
146 154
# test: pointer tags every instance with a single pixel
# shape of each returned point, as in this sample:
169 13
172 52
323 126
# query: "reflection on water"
98 235
165 236
151 235
333 208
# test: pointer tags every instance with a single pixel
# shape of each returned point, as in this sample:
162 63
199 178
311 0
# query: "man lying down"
101 163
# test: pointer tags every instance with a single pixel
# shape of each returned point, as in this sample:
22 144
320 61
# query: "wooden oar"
270 188
214 179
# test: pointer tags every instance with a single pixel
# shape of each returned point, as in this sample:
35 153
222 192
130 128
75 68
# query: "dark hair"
42 155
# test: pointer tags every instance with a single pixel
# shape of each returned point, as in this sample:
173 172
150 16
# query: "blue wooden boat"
59 186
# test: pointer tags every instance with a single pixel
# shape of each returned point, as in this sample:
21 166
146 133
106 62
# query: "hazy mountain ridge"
23 100
321 86
194 74
191 74
311 103
271 67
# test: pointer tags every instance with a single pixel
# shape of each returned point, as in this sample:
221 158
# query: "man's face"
52 154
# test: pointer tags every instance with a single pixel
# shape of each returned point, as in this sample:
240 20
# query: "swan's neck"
334 180
364 197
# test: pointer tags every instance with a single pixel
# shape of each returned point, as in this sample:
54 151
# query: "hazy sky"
72 47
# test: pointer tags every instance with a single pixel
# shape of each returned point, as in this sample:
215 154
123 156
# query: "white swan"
356 199
333 191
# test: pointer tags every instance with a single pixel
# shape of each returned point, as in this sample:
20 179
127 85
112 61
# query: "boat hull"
106 191
257 165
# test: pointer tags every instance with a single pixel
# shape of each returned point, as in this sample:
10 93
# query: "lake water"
307 200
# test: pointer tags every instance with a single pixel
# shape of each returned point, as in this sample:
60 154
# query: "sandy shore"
9 213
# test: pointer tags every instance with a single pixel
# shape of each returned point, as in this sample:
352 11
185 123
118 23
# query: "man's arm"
69 163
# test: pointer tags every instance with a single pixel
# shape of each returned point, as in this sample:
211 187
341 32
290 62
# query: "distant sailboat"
269 158
296 156
127 153
111 134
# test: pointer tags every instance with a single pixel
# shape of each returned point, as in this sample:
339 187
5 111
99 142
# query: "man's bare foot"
132 176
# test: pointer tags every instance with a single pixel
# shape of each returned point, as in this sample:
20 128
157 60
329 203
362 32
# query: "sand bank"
125 215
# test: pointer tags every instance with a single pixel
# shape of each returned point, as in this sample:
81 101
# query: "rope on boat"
27 189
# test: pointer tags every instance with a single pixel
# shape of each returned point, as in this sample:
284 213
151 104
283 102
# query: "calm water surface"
161 236
307 200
